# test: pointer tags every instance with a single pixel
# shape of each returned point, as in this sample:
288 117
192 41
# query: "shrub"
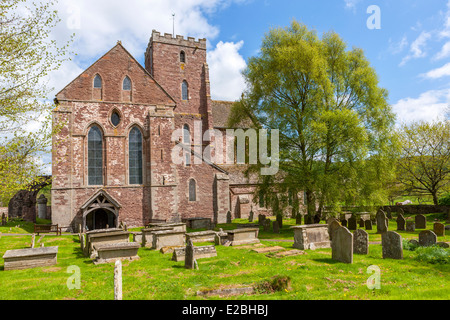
433 255
444 200
410 245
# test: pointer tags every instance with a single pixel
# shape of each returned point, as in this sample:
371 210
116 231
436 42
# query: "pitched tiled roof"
221 112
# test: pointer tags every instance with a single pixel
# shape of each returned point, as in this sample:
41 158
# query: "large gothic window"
192 190
95 156
184 91
135 156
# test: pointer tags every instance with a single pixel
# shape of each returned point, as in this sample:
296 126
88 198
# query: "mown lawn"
313 275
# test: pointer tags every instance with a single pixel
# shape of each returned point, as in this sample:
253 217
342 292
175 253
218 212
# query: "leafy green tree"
424 165
334 120
27 56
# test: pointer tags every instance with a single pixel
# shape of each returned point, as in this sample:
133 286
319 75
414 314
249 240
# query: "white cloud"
438 72
444 53
398 47
225 67
429 106
417 48
351 4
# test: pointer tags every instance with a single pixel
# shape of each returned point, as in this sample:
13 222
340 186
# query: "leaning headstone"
229 217
443 244
410 226
352 224
360 242
382 222
276 228
439 229
298 219
118 280
368 224
421 221
361 222
400 222
342 245
189 260
427 238
392 245
332 224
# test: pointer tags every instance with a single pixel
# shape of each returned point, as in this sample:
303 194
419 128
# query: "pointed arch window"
182 57
98 81
135 156
126 85
184 90
192 190
95 156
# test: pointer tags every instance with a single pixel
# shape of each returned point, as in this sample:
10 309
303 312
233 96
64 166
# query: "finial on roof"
119 42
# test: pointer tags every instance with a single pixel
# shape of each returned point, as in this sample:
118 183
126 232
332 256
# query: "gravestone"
280 220
3 219
298 219
229 217
344 222
401 211
189 256
382 222
352 225
368 224
421 221
261 219
410 226
439 229
392 245
276 228
342 245
400 222
250 216
266 225
333 224
360 242
427 238
42 207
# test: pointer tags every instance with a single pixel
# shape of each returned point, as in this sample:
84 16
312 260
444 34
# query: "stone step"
268 249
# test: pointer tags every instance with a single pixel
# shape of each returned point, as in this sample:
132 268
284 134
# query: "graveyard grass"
314 275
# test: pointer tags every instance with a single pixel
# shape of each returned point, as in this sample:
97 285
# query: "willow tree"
334 122
27 56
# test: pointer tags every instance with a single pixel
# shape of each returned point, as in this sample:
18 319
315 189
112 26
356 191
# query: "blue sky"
410 51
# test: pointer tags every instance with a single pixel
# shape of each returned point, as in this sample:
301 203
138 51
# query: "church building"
112 157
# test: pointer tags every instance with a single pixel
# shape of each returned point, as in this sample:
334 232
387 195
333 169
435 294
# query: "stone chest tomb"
311 236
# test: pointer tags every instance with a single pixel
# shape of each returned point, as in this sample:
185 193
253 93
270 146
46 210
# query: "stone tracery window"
135 156
95 156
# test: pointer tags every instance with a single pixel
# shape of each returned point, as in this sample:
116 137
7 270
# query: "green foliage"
433 255
335 124
444 200
27 56
410 246
424 165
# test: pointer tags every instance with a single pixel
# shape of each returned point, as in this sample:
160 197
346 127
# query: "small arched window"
182 57
98 81
95 156
126 84
184 91
192 190
186 134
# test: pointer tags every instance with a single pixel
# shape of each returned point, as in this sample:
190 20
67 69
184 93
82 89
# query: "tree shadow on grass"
80 255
